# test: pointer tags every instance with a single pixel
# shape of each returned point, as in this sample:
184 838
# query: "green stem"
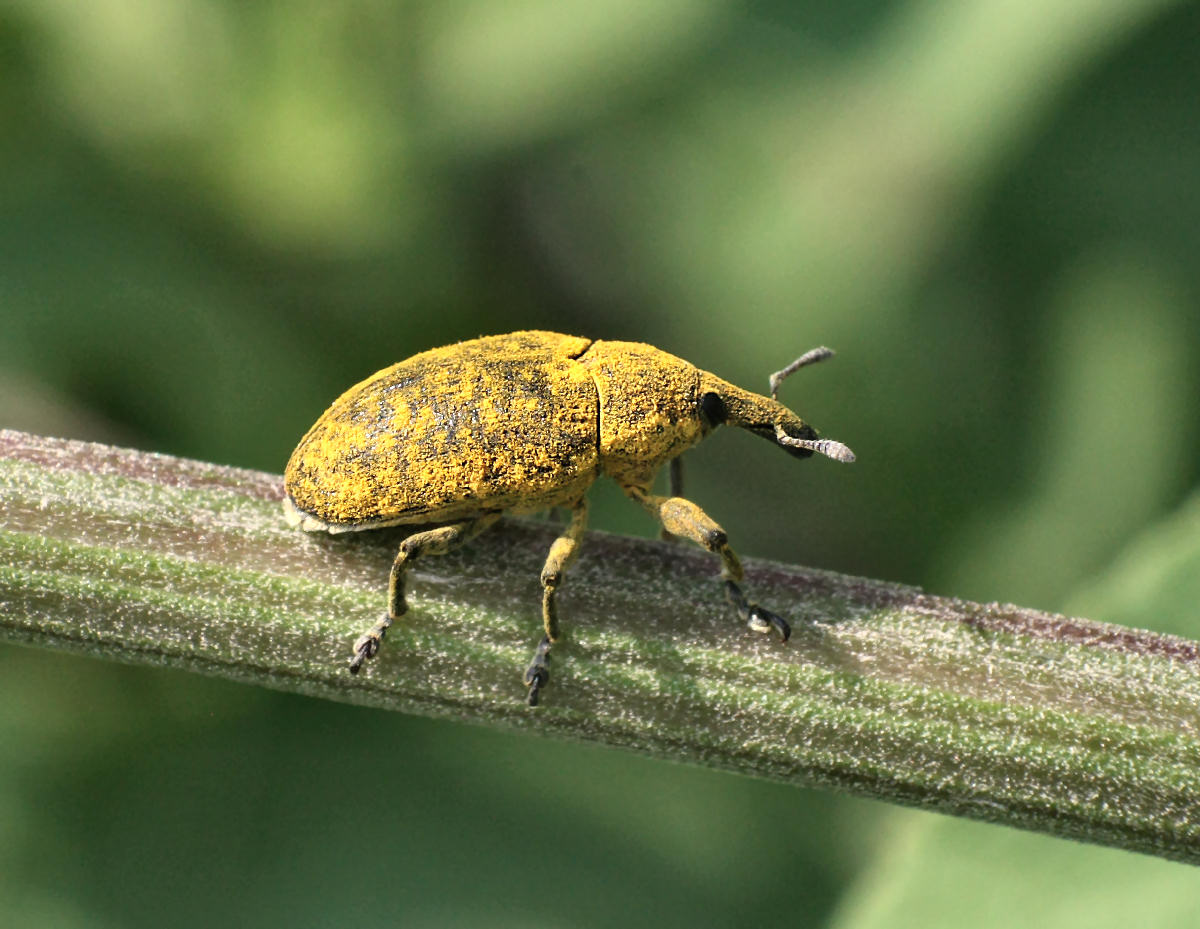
994 712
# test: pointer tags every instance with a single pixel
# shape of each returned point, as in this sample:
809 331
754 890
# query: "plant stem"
1060 725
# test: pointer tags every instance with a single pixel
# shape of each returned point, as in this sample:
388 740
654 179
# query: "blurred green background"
215 216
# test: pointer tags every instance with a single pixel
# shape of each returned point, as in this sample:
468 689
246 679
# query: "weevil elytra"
452 438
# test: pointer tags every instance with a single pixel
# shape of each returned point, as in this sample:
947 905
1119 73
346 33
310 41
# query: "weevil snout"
722 402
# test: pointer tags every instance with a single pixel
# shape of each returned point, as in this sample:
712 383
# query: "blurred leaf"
497 74
1101 443
1155 584
944 874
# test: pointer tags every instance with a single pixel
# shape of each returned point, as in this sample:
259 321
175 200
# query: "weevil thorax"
649 408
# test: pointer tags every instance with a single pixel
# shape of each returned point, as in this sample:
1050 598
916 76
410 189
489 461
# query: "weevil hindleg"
562 553
681 517
436 541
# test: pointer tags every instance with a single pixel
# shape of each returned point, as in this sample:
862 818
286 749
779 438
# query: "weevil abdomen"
500 423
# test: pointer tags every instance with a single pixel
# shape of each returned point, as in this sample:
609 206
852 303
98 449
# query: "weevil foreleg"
437 541
562 553
753 615
538 672
683 518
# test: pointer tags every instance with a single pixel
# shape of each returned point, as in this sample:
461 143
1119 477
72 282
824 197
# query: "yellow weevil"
450 439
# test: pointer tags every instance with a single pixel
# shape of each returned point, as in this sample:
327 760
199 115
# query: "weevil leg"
681 517
675 474
437 541
538 672
562 553
756 617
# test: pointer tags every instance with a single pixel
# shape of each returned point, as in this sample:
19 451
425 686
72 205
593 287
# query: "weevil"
450 439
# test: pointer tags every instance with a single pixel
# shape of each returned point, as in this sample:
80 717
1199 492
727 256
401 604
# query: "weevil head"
722 403
654 406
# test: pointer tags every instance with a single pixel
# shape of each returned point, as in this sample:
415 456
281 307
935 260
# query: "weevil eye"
712 408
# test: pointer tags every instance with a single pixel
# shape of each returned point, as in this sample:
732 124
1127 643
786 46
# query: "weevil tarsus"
538 672
754 616
368 643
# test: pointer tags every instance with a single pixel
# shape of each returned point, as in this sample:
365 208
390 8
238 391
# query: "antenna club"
836 450
827 447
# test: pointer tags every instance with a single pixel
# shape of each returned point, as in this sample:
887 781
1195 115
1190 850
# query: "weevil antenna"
810 357
827 447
